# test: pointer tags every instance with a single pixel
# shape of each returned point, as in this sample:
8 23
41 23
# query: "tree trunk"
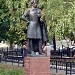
11 45
54 43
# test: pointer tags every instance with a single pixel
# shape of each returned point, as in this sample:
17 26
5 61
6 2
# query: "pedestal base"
37 65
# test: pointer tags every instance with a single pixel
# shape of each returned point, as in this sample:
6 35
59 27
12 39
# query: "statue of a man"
34 35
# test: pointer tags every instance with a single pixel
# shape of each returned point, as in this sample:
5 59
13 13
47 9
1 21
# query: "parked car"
72 50
55 52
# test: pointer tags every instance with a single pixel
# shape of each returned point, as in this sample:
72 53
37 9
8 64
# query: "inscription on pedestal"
27 63
37 66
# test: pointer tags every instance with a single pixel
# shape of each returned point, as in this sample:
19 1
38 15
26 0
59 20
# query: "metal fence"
15 56
66 63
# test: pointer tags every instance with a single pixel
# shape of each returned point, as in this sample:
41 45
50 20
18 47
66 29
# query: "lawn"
13 70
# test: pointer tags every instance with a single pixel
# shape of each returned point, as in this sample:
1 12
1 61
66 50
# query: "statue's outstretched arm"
26 14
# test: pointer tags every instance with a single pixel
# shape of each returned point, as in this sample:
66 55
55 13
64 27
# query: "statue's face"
34 4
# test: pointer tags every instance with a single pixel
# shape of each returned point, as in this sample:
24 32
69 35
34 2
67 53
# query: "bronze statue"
34 32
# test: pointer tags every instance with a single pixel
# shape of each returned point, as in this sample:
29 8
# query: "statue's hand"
28 22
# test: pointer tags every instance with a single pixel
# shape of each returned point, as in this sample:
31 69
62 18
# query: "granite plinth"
37 65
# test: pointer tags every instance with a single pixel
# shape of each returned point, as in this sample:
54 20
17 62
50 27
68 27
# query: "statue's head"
34 3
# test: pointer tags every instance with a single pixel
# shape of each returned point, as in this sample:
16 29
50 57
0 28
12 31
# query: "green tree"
4 20
60 18
17 27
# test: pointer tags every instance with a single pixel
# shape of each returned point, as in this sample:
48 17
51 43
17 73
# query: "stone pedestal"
37 65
